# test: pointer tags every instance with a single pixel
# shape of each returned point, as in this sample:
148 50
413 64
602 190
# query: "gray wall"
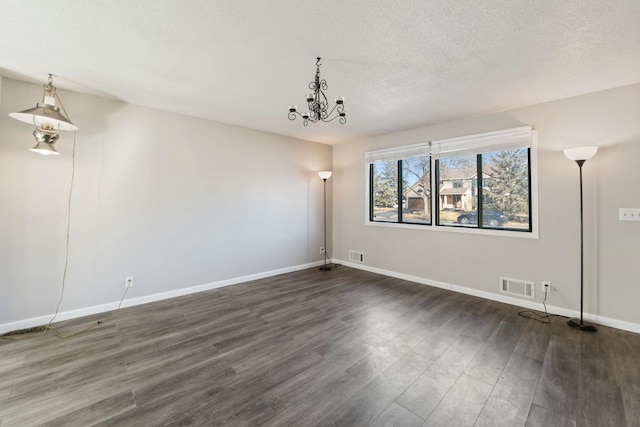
174 201
609 119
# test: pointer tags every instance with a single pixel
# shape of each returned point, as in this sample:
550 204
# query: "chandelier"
318 104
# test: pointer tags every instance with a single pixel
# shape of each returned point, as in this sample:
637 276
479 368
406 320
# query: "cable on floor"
534 315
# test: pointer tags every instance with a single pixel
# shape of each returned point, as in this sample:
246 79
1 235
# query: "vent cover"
356 256
518 287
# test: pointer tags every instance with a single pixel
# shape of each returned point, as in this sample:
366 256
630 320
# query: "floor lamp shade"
325 175
580 155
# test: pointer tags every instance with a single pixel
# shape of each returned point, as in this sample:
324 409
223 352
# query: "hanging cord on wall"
43 329
534 315
66 249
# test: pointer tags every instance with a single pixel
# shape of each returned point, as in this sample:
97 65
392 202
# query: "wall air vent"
517 287
356 256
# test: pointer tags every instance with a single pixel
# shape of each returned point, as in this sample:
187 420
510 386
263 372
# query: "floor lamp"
325 175
580 155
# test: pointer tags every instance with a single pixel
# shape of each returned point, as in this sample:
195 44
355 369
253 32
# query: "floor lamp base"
325 268
583 326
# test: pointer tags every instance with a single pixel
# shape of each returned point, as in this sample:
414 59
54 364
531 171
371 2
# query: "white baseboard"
601 320
72 314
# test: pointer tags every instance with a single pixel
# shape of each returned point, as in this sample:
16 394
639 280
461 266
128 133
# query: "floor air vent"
356 256
518 287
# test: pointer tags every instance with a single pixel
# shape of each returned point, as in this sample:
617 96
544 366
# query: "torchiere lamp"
580 155
325 175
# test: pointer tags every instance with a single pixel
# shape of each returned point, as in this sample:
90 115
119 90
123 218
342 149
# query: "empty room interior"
333 213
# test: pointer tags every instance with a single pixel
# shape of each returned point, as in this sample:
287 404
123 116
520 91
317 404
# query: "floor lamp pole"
325 175
580 323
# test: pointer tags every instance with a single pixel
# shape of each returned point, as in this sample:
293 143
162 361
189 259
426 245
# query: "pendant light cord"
43 329
66 249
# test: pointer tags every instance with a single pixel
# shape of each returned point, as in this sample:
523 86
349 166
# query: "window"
384 191
478 182
408 203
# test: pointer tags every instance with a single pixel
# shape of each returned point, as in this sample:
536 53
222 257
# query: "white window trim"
534 234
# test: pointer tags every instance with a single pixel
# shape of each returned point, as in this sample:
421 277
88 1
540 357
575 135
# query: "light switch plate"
629 214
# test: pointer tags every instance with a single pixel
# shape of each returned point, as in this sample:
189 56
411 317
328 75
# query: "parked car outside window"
489 218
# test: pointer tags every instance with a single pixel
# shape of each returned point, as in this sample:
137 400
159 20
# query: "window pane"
506 189
416 190
385 191
458 191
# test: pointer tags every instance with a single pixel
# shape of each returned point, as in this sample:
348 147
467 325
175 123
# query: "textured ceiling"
400 65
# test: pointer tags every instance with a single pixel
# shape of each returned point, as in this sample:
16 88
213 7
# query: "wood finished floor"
338 348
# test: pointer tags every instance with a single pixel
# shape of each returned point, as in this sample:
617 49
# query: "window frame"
531 233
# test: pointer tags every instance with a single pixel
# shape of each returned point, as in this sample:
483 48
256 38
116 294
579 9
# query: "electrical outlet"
626 214
321 249
128 282
546 286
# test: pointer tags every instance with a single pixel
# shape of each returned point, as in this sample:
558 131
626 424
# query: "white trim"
601 320
399 153
86 311
506 139
456 229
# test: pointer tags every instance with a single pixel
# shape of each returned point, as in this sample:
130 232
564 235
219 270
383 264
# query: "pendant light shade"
45 149
47 119
45 114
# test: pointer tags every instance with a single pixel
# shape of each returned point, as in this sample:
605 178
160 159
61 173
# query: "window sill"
439 228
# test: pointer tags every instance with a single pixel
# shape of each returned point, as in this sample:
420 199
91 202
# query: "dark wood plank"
462 404
423 395
492 358
368 404
557 388
397 416
510 400
541 417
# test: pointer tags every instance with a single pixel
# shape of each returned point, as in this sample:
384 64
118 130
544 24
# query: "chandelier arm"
332 110
331 119
292 115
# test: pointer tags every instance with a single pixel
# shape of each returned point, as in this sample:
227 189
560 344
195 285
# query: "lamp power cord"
27 332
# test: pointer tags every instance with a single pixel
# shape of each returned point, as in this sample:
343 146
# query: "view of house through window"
412 204
457 190
504 189
416 190
478 182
